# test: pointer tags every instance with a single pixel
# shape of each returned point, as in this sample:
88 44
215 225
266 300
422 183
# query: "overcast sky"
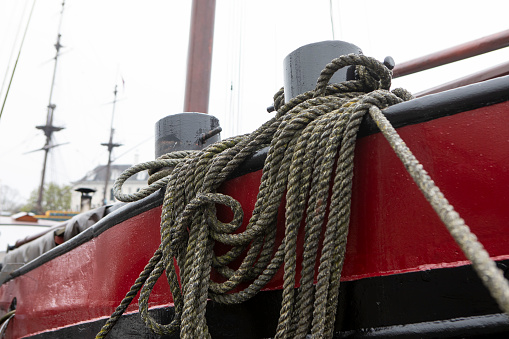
145 44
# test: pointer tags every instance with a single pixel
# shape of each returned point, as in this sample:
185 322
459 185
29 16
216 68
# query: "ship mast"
199 58
193 130
49 128
111 145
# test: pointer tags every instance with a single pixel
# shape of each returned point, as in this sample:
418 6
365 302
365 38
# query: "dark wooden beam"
199 58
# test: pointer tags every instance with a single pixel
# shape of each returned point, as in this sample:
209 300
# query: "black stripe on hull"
438 303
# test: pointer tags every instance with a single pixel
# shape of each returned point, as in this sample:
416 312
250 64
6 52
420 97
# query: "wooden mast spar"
199 59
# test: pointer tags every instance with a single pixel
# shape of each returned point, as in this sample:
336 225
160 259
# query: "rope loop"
372 73
159 170
217 227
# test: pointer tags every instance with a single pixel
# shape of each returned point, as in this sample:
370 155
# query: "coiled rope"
305 138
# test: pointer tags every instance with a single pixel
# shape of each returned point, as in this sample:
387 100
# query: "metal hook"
205 136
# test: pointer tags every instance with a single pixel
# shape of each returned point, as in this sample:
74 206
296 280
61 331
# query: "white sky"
145 43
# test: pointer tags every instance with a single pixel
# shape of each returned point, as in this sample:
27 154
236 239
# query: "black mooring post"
186 131
303 66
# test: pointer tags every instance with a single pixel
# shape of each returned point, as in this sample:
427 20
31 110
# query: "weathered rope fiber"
305 137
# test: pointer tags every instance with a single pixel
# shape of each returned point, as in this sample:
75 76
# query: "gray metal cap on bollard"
303 66
185 131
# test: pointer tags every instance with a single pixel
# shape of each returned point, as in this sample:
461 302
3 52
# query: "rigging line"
58 171
236 68
132 148
20 144
331 19
233 37
240 89
17 59
6 76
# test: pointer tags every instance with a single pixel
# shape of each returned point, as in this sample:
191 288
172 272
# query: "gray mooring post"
186 131
303 66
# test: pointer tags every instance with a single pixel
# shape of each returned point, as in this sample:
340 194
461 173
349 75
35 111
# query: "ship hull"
403 273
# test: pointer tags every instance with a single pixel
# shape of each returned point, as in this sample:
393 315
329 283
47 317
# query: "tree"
10 200
55 197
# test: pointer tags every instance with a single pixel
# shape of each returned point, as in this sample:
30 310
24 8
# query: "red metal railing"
490 73
480 46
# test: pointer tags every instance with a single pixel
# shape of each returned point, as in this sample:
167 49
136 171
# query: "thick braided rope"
305 137
159 169
165 163
189 175
133 291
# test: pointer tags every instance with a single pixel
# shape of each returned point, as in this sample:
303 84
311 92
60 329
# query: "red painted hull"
393 229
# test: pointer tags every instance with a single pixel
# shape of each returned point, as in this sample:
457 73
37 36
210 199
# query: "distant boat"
17 226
